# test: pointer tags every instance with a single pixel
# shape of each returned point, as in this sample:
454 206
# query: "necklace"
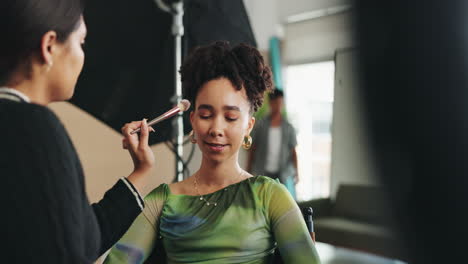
202 198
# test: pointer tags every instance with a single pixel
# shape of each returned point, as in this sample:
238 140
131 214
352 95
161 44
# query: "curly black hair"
243 65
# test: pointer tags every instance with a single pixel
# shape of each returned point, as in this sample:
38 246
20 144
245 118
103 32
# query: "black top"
46 214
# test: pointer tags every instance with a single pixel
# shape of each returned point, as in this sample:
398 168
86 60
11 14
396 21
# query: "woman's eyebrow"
225 108
231 108
205 106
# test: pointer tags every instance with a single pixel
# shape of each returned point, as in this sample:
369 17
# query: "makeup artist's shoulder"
33 113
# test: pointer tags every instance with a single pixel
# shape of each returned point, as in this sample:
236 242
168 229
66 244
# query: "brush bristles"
184 105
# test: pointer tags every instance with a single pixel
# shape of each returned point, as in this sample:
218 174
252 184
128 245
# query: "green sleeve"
138 242
289 228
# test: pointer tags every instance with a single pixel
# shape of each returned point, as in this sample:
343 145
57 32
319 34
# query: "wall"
268 17
289 8
351 161
263 15
317 39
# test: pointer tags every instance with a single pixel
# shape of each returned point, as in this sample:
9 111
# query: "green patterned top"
248 218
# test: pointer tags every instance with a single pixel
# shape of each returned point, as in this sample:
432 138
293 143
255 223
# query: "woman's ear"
191 118
250 125
48 47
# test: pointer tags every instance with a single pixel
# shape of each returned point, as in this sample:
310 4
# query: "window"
309 104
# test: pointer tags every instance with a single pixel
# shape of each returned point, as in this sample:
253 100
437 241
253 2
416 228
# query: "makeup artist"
46 216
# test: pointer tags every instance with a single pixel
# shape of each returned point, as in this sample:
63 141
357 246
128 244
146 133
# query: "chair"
307 213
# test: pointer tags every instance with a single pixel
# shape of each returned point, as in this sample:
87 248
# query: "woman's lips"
216 147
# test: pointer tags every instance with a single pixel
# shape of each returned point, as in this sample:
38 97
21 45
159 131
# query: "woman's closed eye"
231 118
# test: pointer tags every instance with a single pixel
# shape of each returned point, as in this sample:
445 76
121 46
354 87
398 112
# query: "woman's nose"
216 133
216 129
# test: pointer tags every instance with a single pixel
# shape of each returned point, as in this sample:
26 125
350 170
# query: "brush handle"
160 118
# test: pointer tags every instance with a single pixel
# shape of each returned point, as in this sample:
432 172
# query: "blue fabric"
275 58
291 187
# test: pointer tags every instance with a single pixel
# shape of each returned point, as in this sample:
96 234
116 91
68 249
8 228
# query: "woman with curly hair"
221 214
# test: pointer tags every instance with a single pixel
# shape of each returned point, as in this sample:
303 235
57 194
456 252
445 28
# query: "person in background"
220 214
46 215
273 151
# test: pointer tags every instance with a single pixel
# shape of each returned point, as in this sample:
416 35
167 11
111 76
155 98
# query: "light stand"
177 11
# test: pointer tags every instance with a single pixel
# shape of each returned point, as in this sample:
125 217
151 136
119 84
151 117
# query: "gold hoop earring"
247 143
192 137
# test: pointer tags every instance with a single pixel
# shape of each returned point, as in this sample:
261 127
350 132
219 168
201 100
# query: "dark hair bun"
243 65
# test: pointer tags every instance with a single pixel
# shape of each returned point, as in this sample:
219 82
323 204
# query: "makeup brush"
183 106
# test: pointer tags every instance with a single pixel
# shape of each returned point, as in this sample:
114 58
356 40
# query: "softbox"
129 67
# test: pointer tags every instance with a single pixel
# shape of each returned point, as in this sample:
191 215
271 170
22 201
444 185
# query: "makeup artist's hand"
141 153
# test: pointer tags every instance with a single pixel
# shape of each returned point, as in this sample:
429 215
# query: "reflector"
129 68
